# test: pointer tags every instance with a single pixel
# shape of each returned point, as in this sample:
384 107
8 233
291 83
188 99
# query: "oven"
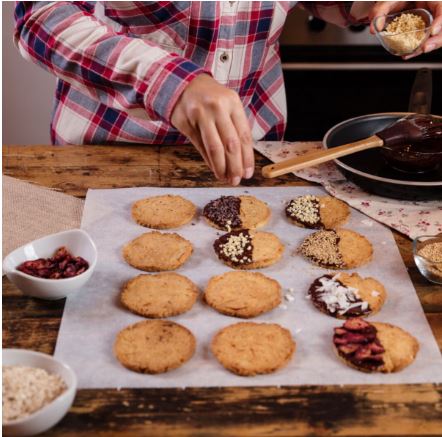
332 74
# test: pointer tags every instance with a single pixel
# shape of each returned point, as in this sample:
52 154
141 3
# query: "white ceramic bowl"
77 241
52 413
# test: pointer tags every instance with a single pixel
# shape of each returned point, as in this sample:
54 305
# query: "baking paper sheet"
94 316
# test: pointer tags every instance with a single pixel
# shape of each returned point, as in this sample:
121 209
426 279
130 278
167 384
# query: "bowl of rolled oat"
427 252
403 33
37 390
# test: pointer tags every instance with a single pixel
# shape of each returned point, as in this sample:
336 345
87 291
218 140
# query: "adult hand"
435 7
213 118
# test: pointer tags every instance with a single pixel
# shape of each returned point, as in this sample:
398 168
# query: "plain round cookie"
337 249
163 212
242 294
159 295
154 346
334 213
156 251
253 213
249 349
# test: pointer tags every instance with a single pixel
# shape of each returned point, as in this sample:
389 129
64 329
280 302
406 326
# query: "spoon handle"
320 156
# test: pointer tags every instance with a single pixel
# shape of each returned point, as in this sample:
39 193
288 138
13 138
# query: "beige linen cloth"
31 212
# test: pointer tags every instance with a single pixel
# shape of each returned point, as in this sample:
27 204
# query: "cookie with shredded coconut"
344 295
317 212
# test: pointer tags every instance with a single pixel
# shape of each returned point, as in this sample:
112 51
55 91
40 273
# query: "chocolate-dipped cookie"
343 295
317 212
236 212
374 347
246 249
340 249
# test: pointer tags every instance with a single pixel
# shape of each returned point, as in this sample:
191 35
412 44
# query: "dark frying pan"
384 173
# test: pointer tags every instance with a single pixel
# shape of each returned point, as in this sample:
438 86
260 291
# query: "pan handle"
421 93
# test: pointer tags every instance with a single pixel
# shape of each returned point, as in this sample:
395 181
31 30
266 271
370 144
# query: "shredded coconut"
28 389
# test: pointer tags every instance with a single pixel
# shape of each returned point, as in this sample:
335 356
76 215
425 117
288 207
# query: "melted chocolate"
315 297
224 212
240 254
298 219
362 339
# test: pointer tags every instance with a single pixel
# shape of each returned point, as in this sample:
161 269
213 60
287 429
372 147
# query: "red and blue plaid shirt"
121 66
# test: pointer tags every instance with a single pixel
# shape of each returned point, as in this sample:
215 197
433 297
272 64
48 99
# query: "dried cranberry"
61 265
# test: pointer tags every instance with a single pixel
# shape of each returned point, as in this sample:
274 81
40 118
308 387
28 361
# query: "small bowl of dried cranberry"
54 266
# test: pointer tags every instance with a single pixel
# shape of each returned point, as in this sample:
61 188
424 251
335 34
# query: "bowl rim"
395 14
59 399
415 241
48 280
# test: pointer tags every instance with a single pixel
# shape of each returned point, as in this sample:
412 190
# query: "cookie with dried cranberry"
344 295
154 346
337 249
242 294
236 212
246 249
374 347
159 295
317 212
157 251
163 212
250 349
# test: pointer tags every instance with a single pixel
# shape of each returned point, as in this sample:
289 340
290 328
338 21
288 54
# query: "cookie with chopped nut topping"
159 295
242 294
340 249
157 251
250 349
154 346
163 212
247 249
236 212
317 212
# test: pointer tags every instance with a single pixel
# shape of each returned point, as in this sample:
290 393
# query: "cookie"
247 249
236 212
343 295
249 349
340 249
242 294
374 347
163 212
317 212
159 295
156 251
154 346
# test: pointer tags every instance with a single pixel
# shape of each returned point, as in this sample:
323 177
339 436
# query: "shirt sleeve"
339 13
123 72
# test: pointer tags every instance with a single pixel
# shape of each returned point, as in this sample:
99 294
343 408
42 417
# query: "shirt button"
224 57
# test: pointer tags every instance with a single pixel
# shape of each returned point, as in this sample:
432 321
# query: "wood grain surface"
385 410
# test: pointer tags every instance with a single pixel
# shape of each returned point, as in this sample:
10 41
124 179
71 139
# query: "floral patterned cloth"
409 218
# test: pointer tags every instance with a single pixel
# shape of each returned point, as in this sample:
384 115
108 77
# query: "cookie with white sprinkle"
250 349
317 212
236 212
163 212
340 249
243 294
374 347
344 295
157 251
246 249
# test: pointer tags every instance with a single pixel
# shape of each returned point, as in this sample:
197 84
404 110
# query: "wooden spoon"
411 129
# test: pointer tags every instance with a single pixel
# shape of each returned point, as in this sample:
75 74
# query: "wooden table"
314 410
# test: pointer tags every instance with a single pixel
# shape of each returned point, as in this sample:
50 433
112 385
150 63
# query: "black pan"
371 169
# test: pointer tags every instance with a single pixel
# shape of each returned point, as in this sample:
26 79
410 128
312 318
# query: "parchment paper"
93 316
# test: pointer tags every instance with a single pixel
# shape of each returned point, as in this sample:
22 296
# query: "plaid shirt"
121 66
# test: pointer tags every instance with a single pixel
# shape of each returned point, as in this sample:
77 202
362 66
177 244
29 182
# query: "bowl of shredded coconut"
403 33
37 391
